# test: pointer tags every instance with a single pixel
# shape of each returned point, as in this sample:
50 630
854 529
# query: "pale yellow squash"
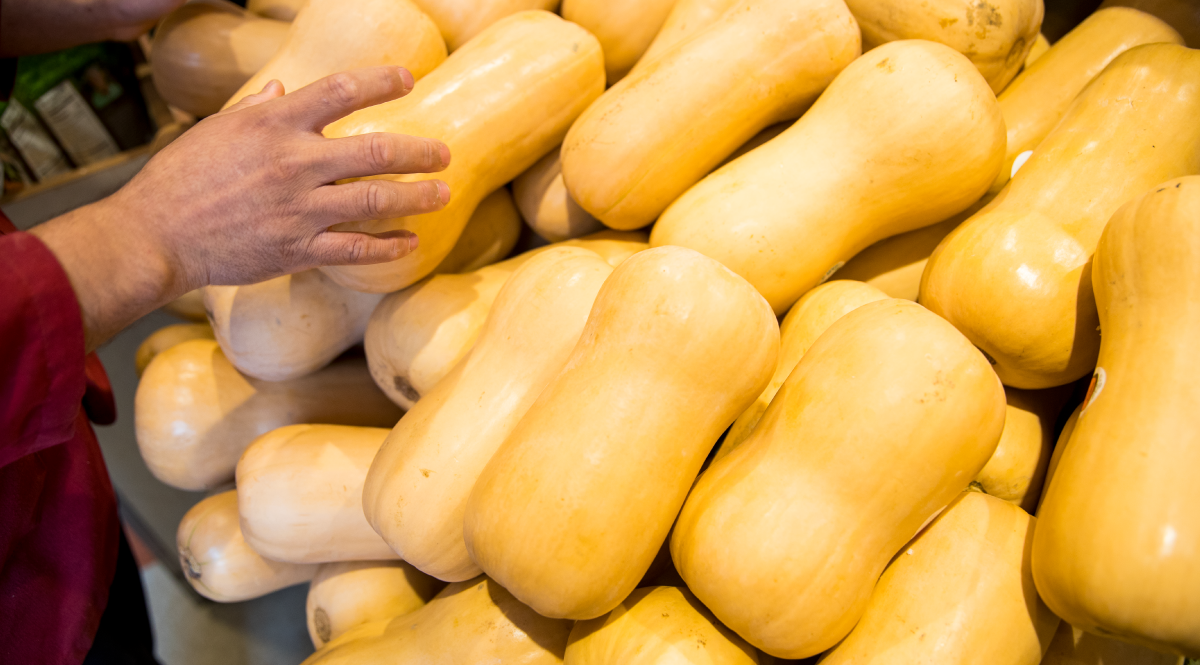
416 336
461 20
571 510
194 413
686 18
417 488
629 155
343 596
1039 98
166 337
189 306
805 322
906 136
546 204
1119 535
1014 278
282 10
331 36
655 626
960 593
1072 646
468 623
219 564
625 28
489 235
500 103
1017 469
1040 46
1183 15
884 421
996 35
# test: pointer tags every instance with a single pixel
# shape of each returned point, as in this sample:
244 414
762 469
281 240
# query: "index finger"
333 97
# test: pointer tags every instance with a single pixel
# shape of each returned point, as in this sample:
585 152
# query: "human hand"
41 26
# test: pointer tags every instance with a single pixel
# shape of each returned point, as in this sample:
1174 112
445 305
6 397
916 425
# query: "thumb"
334 248
270 91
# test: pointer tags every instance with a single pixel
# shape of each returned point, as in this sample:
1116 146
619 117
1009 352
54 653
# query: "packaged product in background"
75 124
35 145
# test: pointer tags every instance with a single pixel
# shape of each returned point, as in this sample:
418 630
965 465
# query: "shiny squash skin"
884 421
493 133
1015 277
546 204
625 28
906 136
166 337
687 17
461 20
573 507
1118 536
489 235
347 594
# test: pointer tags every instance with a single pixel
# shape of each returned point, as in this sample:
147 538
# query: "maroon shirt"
58 517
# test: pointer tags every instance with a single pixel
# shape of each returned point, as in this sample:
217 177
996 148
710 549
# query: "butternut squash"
546 204
166 337
960 593
1072 646
1060 447
489 235
461 20
468 622
656 625
281 10
906 136
345 595
189 306
1014 278
331 36
625 28
300 492
997 35
194 413
494 133
1041 95
571 510
884 421
219 564
1118 536
417 487
416 336
806 321
686 18
1040 46
630 155
1182 15
1017 469
206 50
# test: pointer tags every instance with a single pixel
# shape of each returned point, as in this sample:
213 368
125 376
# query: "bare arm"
41 26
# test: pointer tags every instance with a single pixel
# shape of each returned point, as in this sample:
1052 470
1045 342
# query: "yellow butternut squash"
1072 646
571 510
546 204
805 322
331 36
686 18
489 235
884 421
1040 46
166 337
281 10
1014 278
189 306
1182 15
499 103
1118 535
630 155
655 625
1041 95
906 136
345 595
205 51
219 564
462 20
997 35
625 28
194 413
416 336
300 491
477 621
418 485
959 594
1017 469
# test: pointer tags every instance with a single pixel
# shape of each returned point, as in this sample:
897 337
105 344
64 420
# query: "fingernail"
273 83
443 192
445 155
413 241
407 79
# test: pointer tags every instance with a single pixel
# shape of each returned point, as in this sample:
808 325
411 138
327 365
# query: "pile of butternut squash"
853 329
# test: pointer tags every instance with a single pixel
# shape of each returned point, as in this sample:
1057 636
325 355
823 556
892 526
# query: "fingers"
379 199
335 248
333 97
377 154
270 91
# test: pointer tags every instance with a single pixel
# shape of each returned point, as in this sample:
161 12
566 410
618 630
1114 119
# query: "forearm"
41 26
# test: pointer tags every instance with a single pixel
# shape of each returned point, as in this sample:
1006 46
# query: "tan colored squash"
1183 15
1119 535
462 20
416 336
629 155
1040 46
194 413
546 204
997 35
884 421
906 136
687 17
625 28
217 561
417 488
166 337
1072 646
206 50
467 623
331 36
571 510
300 492
1017 469
280 10
489 235
499 103
346 595
805 322
657 625
959 594
1039 98
189 306
1014 278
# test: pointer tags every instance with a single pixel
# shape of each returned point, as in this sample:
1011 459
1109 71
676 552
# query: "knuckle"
378 199
380 152
287 166
344 89
356 250
433 155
